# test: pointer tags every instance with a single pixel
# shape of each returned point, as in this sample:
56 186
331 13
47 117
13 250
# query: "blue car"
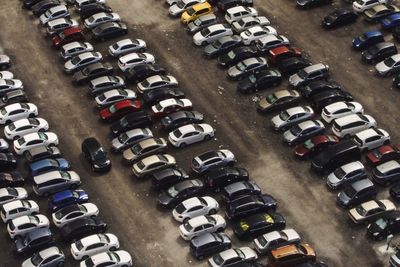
46 165
67 197
367 39
391 21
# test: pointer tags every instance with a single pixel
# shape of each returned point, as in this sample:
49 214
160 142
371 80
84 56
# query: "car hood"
343 198
302 2
175 10
381 67
4 59
355 214
332 179
357 42
301 150
233 71
249 253
198 37
374 230
295 80
264 103
68 65
115 143
210 49
104 113
288 136
277 121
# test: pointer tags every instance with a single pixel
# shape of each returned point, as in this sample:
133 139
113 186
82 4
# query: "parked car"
181 118
346 174
82 227
67 197
59 11
18 208
238 12
370 210
120 109
391 21
95 154
152 97
289 117
130 138
6 75
112 96
312 3
338 18
378 52
351 124
379 12
278 100
212 160
195 11
389 66
324 98
100 18
34 241
280 53
362 5
21 226
201 22
67 36
195 206
233 257
9 85
48 257
248 22
318 86
276 239
292 65
109 30
179 7
169 106
11 179
356 193
237 54
303 131
12 97
152 164
167 177
386 173
55 181
42 6
74 212
94 244
32 140
7 161
208 244
180 192
80 61
58 25
388 224
315 144
367 39
260 80
144 148
201 225
4 146
92 71
246 67
116 258
252 34
211 33
249 205
383 154
88 10
268 42
222 45
292 255
17 111
127 61
140 72
41 152
340 109
224 5
126 46
9 194
308 74
190 134
47 165
240 189
371 138
138 119
219 178
156 82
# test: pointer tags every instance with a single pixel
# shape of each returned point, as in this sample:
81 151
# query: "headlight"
96 166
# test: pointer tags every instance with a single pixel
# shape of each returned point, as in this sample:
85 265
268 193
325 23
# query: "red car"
119 109
67 36
282 52
383 153
170 105
315 145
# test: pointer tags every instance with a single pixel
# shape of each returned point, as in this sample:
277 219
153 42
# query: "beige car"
278 100
372 14
153 163
370 210
144 148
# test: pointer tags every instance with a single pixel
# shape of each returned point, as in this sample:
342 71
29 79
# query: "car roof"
373 33
124 42
368 133
315 67
349 167
187 183
45 253
91 143
206 17
370 205
235 9
215 27
351 118
48 176
361 184
199 220
388 166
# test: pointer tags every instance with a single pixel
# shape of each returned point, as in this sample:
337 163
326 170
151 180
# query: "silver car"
389 66
105 83
75 48
58 25
155 82
303 131
291 116
211 33
202 22
181 5
275 239
101 18
248 22
80 61
6 75
130 138
7 85
236 255
55 181
110 97
247 67
126 46
49 257
56 12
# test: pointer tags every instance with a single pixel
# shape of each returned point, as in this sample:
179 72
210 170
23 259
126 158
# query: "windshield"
102 97
295 130
141 165
302 74
75 60
381 223
180 4
389 62
284 115
191 11
376 153
339 173
309 144
205 32
172 192
79 245
262 241
231 55
241 66
36 259
123 138
349 191
218 260
188 227
360 2
112 109
361 210
271 98
197 22
177 133
11 126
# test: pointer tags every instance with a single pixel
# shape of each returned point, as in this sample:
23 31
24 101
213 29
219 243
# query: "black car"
240 189
208 244
138 119
91 72
140 72
324 98
41 7
378 52
396 33
152 97
258 224
11 179
42 152
356 193
15 96
248 205
237 54
224 5
219 178
179 192
312 3
292 65
395 191
83 227
34 241
28 4
93 8
316 87
261 80
339 17
7 161
222 45
109 30
180 118
95 154
389 224
168 177
396 81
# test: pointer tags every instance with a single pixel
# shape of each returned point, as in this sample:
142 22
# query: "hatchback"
346 174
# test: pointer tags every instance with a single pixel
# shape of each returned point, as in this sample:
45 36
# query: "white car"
189 134
22 127
94 244
6 75
119 258
211 33
126 46
24 224
17 111
233 255
202 225
351 124
128 61
275 239
291 116
195 206
181 5
271 41
49 257
346 174
32 140
371 138
75 48
251 35
389 66
7 85
169 105
100 18
9 194
73 212
362 5
109 97
80 61
155 82
18 208
152 164
130 138
248 22
58 25
340 109
59 11
238 12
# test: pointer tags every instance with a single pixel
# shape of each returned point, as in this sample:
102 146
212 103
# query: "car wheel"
204 43
182 145
8 122
212 212
200 257
85 257
219 230
74 186
207 137
16 137
113 249
186 220
31 115
60 264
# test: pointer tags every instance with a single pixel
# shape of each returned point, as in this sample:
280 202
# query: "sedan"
171 105
22 225
101 18
110 97
74 212
389 224
125 46
9 194
11 179
202 225
290 117
109 30
211 33
212 159
119 109
248 22
180 6
251 35
280 53
152 97
247 67
305 76
303 131
157 82
46 165
271 41
67 197
389 66
195 206
130 138
233 257
391 21
94 244
340 109
278 100
382 154
15 96
75 48
126 62
80 61
237 54
7 85
105 83
168 177
17 111
312 3
370 210
314 145
152 164
179 192
367 39
91 72
222 45
262 79
275 239
119 258
144 148
181 118
379 12
6 75
22 127
339 17
143 71
189 134
32 140
209 244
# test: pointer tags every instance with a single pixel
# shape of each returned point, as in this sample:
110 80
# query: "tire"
85 257
8 122
74 186
60 264
113 249
212 212
204 43
182 145
31 115
207 137
219 230
16 137
186 220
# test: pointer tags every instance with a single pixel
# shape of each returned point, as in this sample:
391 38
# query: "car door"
34 143
25 227
373 141
95 248
195 211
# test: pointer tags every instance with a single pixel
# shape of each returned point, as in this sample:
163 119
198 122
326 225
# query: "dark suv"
34 240
131 121
95 154
248 205
378 52
208 244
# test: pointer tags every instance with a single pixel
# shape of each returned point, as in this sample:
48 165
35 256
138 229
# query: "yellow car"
193 12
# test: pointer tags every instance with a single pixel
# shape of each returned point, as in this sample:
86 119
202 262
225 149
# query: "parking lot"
128 204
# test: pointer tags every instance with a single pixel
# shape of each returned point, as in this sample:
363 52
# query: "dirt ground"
129 205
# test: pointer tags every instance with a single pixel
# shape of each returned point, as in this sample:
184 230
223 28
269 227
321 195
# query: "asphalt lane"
127 204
